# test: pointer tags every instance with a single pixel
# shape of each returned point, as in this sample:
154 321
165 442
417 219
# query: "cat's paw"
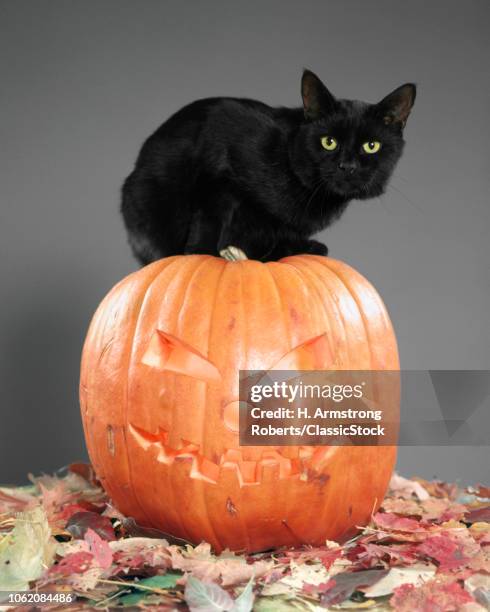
233 253
313 247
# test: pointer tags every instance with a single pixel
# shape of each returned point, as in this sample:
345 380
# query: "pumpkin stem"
233 253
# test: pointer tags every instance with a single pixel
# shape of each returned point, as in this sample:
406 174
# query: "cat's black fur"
228 171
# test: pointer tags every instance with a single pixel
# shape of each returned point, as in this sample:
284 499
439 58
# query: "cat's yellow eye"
371 147
328 143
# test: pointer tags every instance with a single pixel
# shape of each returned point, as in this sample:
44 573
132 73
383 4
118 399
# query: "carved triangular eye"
314 354
166 352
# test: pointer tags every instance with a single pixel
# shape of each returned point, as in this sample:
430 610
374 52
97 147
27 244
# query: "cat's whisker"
380 200
399 176
396 190
320 183
308 195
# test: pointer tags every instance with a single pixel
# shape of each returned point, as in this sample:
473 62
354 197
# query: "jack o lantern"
159 398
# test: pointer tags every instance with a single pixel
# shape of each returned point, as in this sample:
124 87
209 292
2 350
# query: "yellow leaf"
26 551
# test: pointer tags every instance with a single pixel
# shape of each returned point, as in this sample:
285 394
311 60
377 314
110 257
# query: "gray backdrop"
84 82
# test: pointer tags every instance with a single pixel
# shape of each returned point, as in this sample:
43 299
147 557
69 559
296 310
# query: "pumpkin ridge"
285 318
308 275
127 379
201 488
201 262
359 309
238 471
287 325
380 306
350 483
369 337
299 272
131 365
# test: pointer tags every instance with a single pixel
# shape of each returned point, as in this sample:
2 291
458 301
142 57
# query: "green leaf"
167 581
206 596
132 599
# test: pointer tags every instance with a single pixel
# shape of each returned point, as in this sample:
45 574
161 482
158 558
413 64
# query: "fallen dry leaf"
391 521
80 522
427 548
99 548
416 575
434 595
26 551
404 487
226 569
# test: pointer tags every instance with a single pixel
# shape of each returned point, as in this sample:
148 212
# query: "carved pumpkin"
159 390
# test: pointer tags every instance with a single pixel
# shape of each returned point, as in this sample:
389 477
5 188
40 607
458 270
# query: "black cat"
229 171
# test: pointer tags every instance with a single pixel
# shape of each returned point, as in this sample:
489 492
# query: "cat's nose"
348 166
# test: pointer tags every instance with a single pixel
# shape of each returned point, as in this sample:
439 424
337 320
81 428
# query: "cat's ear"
317 100
396 106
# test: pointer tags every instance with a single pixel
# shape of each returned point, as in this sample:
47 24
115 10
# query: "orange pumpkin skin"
158 406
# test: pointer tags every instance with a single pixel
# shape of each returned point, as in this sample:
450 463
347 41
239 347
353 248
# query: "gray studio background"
83 83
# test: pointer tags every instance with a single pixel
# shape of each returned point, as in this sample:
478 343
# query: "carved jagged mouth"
304 467
167 353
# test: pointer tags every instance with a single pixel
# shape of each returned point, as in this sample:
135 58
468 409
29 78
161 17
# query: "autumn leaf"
99 548
342 586
303 575
27 551
426 549
206 596
17 499
400 505
86 471
135 554
389 520
73 563
367 555
478 515
227 569
481 532
440 596
80 522
437 488
210 597
483 491
478 585
416 575
143 588
404 487
441 510
448 552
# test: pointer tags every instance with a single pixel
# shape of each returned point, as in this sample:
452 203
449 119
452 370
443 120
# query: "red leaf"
394 554
483 491
388 520
85 470
431 597
81 521
314 589
480 515
81 506
99 548
74 563
447 552
328 557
